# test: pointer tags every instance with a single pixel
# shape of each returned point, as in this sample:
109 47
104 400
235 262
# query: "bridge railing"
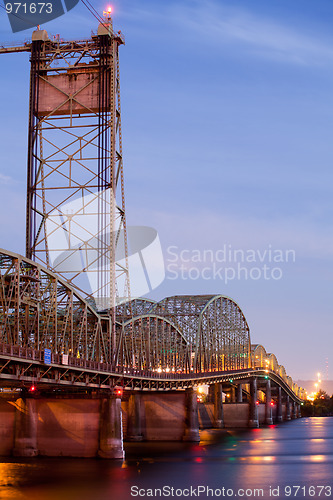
27 353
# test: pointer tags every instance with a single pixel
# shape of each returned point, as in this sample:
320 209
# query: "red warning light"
272 403
32 388
257 402
118 391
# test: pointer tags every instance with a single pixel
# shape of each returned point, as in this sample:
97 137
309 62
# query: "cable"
94 12
91 10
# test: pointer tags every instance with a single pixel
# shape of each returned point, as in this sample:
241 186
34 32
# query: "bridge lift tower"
75 219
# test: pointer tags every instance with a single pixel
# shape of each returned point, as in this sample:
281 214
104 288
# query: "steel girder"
75 184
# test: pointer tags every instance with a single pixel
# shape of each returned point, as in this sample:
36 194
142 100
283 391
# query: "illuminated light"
32 388
200 389
167 370
317 458
159 370
107 12
228 395
257 402
118 391
272 403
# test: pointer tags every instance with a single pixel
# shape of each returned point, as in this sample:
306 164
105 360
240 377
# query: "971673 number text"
32 8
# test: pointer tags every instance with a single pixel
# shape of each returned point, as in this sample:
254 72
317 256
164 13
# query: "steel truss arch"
152 343
39 310
135 307
215 328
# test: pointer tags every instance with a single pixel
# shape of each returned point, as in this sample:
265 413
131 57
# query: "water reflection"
301 451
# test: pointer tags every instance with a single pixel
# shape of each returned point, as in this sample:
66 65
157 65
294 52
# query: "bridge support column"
294 410
240 393
279 416
25 440
233 395
299 411
218 406
191 421
111 429
288 417
253 420
268 406
134 422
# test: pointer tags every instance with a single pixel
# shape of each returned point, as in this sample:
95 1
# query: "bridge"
84 367
54 344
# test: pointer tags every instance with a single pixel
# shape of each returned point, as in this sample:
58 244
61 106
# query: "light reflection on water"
299 452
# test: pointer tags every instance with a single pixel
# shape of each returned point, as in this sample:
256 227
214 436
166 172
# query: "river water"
289 460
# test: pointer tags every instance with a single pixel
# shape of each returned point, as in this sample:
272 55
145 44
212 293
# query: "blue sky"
227 133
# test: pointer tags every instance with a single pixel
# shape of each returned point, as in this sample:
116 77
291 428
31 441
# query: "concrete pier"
288 417
25 437
111 430
253 417
268 406
218 407
191 419
279 413
240 393
135 422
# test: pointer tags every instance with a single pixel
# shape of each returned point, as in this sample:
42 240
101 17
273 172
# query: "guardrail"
28 354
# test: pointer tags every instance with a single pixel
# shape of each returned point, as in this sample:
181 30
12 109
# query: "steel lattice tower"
75 185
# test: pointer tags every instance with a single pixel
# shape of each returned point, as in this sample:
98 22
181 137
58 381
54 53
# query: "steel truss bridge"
53 338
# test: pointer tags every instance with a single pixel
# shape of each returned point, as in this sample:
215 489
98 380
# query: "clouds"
6 179
261 36
204 228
